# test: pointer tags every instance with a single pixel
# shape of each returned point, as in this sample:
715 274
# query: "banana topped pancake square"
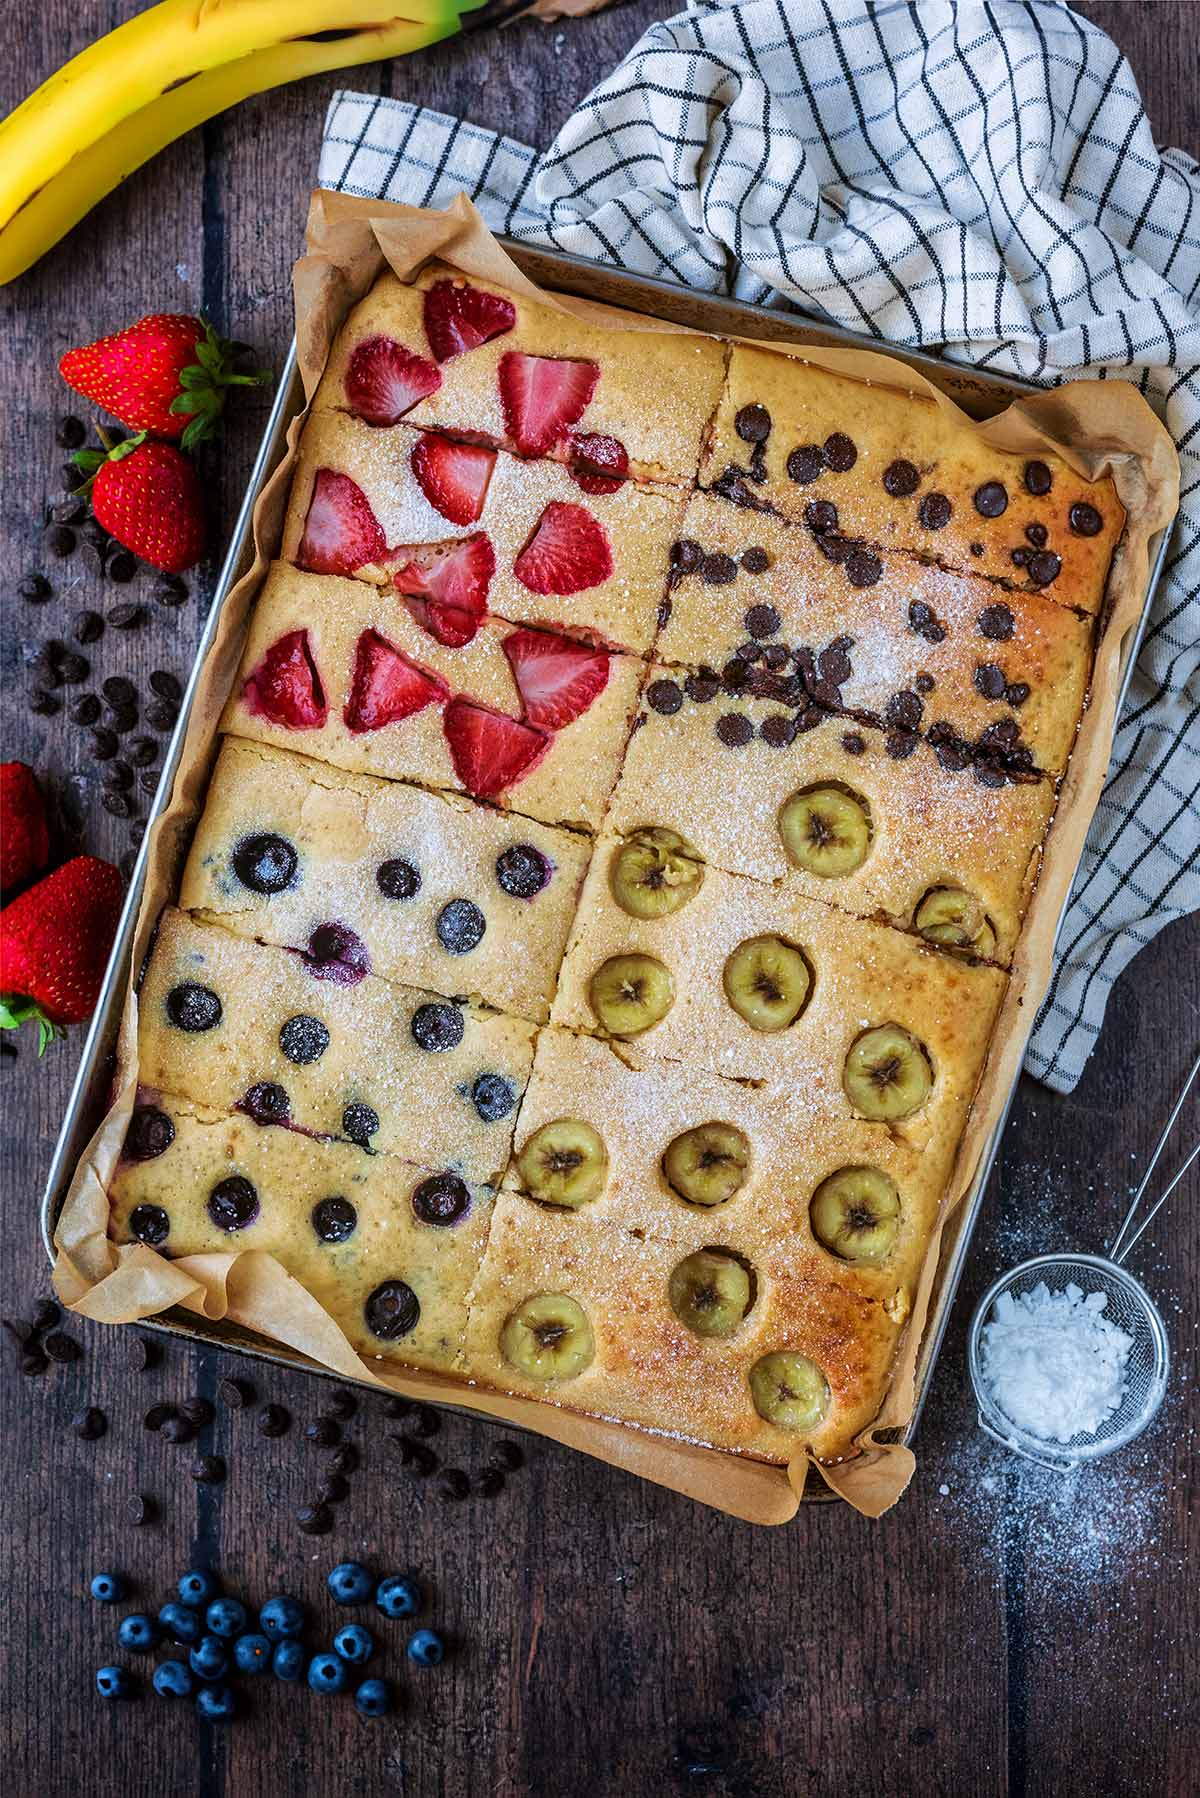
598 1321
918 649
846 814
485 361
372 876
853 1019
526 719
900 473
614 1138
389 1250
460 529
234 1024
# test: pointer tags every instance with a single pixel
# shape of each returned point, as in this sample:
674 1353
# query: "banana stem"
69 195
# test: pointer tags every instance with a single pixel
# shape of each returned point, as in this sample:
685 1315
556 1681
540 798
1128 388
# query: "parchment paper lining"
1097 426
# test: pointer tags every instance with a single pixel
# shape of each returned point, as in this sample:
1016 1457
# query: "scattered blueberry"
265 864
233 1203
436 1028
359 1123
252 1654
303 1039
138 1633
392 1310
522 871
114 1682
398 879
354 1644
108 1588
426 1648
182 1623
334 1219
281 1617
441 1200
398 1596
373 1698
208 1658
226 1617
216 1703
350 1583
289 1660
196 1587
173 1680
326 1673
193 1008
492 1097
460 926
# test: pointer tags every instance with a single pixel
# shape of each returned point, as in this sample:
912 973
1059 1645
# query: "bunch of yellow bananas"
118 102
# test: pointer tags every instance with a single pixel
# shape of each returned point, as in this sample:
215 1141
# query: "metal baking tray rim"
979 391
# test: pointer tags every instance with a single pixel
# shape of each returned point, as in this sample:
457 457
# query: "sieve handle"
1123 1243
1055 1463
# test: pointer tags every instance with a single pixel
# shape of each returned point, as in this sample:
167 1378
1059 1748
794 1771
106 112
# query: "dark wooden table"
999 1632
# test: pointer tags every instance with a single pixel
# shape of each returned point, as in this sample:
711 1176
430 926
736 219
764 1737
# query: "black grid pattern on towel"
972 176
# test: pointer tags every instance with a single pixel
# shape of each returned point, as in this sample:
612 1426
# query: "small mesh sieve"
1129 1306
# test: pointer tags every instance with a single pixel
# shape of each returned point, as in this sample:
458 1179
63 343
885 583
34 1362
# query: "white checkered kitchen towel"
957 173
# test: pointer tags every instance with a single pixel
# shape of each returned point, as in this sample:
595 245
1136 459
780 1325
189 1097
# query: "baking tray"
980 393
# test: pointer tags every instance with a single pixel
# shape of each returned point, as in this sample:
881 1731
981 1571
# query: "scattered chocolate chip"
35 589
141 1509
852 743
811 718
753 423
1002 736
89 1424
61 1347
951 756
755 560
177 1429
664 696
43 704
157 1415
426 1421
93 559
166 686
73 668
997 622
862 568
68 511
762 621
122 568
934 511
341 1404
833 663
702 686
900 744
325 1432
119 690
45 1314
209 1470
104 744
315 1520
686 555
905 710
70 433
235 1394
1037 535
734 729
804 464
841 452
140 1354
333 1490
60 540
123 718
988 774
821 516
33 1361
778 729
85 709
116 803
1037 478
490 1483
776 656
734 676
118 777
124 617
397 1407
273 1420
89 627
718 569
1019 556
924 683
170 591
1043 567
148 780
454 1483
1016 693
198 1411
419 1459
733 486
989 680
137 831
344 1459
142 752
1084 519
976 549
160 715
507 1456
748 653
901 478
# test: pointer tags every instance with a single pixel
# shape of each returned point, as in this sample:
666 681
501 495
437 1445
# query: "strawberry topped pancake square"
389 506
533 721
474 359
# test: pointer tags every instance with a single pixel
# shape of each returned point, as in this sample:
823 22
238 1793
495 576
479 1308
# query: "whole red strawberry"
168 374
54 946
148 496
24 838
